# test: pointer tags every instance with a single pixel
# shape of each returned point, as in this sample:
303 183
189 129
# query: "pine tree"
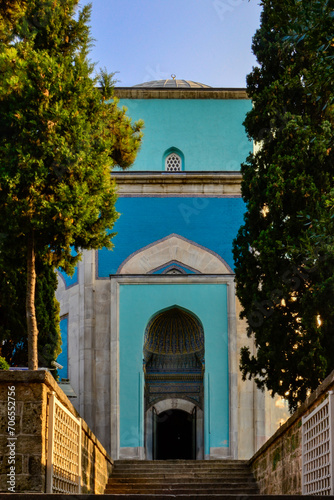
280 279
60 136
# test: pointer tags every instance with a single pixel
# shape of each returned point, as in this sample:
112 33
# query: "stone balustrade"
24 399
277 465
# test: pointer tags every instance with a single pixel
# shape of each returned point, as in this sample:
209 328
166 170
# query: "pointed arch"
168 154
173 353
174 248
174 331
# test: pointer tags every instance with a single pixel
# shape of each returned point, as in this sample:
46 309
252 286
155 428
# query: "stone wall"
96 465
23 437
277 466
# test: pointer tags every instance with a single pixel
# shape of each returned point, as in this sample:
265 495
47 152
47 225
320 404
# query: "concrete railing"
278 464
44 444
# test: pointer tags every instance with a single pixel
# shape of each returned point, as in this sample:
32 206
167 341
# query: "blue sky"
207 41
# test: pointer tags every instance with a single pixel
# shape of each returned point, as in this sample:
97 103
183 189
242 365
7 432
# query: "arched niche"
174 331
174 373
170 152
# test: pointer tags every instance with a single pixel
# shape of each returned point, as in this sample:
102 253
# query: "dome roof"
174 331
172 84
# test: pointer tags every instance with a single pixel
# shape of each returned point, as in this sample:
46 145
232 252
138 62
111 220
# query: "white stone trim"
128 453
232 368
153 279
180 93
219 453
174 247
174 404
114 371
179 184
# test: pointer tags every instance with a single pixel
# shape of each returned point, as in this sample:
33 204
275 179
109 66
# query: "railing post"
79 457
331 440
303 457
317 449
49 462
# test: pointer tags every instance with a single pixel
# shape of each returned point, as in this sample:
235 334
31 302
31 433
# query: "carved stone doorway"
174 372
174 429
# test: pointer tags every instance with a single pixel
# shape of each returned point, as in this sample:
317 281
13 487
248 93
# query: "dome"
172 84
174 331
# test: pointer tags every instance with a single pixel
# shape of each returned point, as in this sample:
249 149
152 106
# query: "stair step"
196 496
197 484
169 475
171 469
188 478
222 467
180 479
182 467
182 491
180 486
187 463
180 471
183 496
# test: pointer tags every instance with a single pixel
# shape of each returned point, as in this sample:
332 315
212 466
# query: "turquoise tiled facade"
172 252
209 132
208 135
210 222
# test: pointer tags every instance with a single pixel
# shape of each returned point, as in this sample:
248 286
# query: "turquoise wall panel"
210 222
209 132
137 304
182 269
63 356
70 280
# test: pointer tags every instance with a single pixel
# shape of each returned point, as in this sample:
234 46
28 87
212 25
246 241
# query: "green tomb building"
151 330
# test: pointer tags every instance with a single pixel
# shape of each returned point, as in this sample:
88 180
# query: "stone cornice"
178 93
178 184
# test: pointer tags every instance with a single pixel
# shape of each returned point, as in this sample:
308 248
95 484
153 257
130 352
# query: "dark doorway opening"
175 435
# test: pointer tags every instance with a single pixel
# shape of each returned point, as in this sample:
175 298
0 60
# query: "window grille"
317 449
173 163
64 449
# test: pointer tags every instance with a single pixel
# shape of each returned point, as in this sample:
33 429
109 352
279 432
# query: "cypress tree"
285 183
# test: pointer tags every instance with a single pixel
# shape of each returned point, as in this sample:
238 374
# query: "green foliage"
284 280
314 28
294 442
60 137
277 457
13 327
3 364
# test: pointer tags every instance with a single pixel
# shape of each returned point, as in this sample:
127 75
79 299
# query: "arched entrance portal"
174 393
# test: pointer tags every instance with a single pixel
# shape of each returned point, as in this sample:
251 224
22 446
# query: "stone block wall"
27 444
277 466
23 436
96 465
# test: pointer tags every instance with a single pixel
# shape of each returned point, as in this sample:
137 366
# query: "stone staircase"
181 478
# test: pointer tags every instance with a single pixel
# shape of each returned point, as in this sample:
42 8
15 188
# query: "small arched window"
173 163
